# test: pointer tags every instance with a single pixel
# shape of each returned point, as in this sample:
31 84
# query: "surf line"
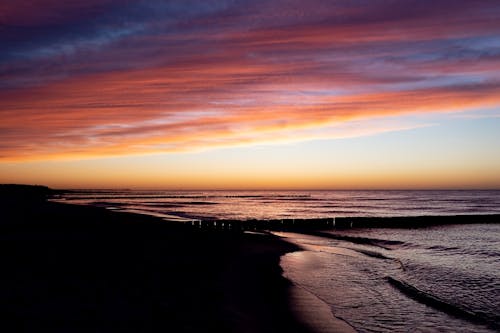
439 304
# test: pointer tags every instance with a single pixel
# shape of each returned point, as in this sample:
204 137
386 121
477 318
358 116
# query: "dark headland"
69 268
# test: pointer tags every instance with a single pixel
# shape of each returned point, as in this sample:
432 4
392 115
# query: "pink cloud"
144 79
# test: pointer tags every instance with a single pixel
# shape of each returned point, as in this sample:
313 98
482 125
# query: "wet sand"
72 268
315 313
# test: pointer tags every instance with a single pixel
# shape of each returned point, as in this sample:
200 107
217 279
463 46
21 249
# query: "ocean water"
436 279
455 268
243 205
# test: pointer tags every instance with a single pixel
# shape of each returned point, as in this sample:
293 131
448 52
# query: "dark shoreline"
88 269
85 268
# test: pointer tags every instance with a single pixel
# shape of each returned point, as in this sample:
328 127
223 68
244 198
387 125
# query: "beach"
87 269
96 266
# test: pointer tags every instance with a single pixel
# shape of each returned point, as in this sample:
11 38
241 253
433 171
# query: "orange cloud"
172 109
99 78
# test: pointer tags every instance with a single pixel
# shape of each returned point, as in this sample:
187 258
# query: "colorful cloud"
107 78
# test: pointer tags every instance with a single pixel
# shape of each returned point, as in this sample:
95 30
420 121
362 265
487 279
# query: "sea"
435 279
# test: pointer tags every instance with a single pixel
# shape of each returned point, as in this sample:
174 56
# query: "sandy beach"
84 268
87 269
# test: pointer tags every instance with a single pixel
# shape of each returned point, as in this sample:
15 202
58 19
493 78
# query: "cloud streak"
100 78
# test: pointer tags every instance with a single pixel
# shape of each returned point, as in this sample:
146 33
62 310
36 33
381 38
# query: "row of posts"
275 225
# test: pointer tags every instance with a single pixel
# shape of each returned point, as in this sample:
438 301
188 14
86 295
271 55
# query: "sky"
250 94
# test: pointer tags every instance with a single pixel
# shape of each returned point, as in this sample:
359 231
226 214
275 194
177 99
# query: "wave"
292 198
443 248
187 196
107 204
382 243
442 305
373 254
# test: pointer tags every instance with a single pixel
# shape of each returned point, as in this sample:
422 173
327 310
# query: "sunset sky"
250 94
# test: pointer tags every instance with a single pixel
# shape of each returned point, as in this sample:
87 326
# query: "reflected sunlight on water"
243 205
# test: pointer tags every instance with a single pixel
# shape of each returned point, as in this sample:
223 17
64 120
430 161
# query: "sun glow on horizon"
350 163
